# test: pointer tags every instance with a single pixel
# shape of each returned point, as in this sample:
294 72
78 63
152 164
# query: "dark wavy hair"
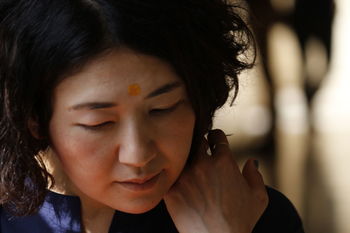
44 41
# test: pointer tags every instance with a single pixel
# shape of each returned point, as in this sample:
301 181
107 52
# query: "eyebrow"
93 105
164 89
101 105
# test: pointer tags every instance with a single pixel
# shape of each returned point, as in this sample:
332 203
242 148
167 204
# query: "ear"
33 127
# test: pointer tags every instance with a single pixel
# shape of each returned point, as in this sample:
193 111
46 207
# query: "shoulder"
279 216
57 214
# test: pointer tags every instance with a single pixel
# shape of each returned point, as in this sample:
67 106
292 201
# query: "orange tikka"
134 89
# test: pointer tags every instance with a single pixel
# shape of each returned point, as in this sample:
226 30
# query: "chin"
141 208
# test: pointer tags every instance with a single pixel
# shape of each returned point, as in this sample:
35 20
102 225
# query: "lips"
139 181
140 184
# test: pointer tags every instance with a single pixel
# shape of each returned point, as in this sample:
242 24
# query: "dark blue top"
61 214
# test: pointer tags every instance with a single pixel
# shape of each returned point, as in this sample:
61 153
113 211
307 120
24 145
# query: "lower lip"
149 184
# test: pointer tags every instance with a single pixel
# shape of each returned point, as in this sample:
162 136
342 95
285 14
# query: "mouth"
140 184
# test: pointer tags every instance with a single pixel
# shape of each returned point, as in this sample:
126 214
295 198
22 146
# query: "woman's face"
122 129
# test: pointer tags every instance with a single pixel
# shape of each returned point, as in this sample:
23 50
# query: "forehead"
113 74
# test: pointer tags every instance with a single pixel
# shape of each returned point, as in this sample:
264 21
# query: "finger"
254 179
220 148
203 149
201 153
218 142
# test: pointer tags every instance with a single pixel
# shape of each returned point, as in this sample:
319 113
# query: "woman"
105 105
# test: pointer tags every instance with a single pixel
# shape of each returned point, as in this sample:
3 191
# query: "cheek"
177 133
180 126
80 154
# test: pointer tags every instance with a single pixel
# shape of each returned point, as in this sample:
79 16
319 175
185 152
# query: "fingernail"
209 152
256 163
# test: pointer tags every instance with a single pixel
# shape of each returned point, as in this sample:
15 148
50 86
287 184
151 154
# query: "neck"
96 217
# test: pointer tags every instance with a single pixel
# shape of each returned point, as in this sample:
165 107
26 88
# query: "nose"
137 147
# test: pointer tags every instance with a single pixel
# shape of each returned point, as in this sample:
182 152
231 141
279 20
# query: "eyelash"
96 127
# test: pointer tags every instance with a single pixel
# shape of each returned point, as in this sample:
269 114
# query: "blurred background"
293 108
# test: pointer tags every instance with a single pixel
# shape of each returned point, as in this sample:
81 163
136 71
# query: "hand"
213 195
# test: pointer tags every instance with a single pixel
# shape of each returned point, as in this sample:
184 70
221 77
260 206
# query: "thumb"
255 181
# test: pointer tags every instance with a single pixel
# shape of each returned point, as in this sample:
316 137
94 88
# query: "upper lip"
140 180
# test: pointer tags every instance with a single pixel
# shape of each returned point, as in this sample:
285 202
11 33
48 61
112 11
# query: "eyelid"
96 126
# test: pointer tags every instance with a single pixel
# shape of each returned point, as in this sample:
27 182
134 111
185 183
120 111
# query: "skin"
214 195
105 141
120 137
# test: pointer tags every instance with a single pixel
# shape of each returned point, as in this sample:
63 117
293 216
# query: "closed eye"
97 126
